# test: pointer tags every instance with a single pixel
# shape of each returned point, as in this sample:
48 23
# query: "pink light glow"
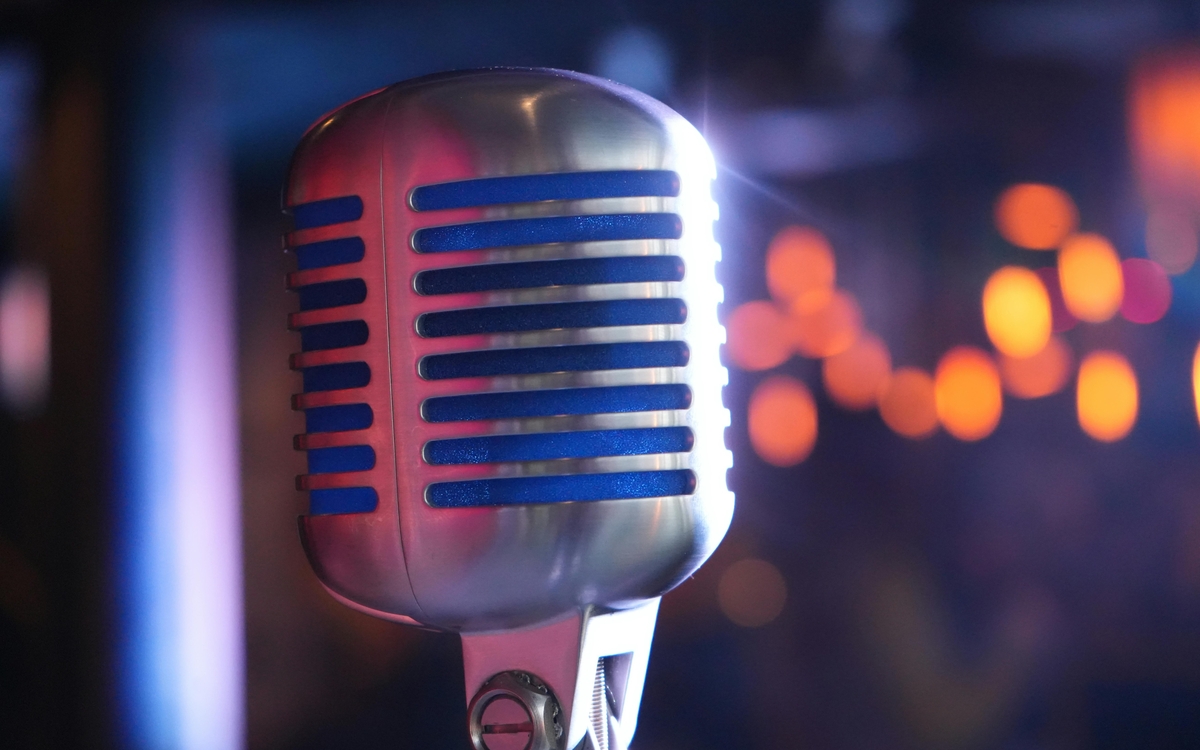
24 338
1147 291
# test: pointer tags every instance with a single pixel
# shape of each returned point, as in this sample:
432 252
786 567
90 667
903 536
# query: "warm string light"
1106 396
1035 217
1089 272
782 421
967 393
1022 310
1044 373
1016 311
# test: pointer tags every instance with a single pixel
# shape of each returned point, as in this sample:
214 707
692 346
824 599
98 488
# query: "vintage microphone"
512 388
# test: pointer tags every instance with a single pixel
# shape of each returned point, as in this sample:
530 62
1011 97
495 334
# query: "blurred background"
963 319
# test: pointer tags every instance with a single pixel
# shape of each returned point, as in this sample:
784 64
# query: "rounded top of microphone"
510 348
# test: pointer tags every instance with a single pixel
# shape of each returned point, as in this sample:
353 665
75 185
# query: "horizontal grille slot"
494 191
338 418
557 402
332 294
326 212
336 377
330 253
342 500
551 445
334 335
557 489
341 458
490 362
478 320
511 232
489 277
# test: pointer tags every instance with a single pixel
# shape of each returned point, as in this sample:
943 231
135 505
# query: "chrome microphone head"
512 383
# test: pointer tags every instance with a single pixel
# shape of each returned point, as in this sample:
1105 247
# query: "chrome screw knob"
515 711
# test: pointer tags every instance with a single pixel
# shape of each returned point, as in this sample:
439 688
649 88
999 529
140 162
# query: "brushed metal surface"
487 569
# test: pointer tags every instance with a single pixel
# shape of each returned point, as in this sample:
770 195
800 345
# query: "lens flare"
1035 217
1171 240
782 421
855 378
1089 272
1107 396
1147 291
1016 311
967 393
827 330
1040 375
800 265
908 404
758 337
751 593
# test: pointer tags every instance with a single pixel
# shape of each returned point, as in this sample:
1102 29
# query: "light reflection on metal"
549 581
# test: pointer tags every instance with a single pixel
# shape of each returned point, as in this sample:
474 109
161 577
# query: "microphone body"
512 385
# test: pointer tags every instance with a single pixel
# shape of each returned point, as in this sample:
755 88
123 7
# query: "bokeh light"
855 378
1040 375
1196 381
1061 319
908 404
1147 291
751 592
782 421
1107 396
24 338
827 330
800 267
758 337
1089 272
1035 217
1171 240
1016 311
967 393
1164 109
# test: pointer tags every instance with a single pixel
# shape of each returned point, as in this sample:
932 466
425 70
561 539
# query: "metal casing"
507 549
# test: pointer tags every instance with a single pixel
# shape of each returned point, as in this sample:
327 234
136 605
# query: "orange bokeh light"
751 593
800 264
758 336
828 329
967 393
1040 375
1106 397
1089 273
1164 108
1016 311
855 378
782 421
1196 380
907 405
1035 217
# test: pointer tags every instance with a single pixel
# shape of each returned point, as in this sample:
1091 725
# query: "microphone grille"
555 369
563 350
